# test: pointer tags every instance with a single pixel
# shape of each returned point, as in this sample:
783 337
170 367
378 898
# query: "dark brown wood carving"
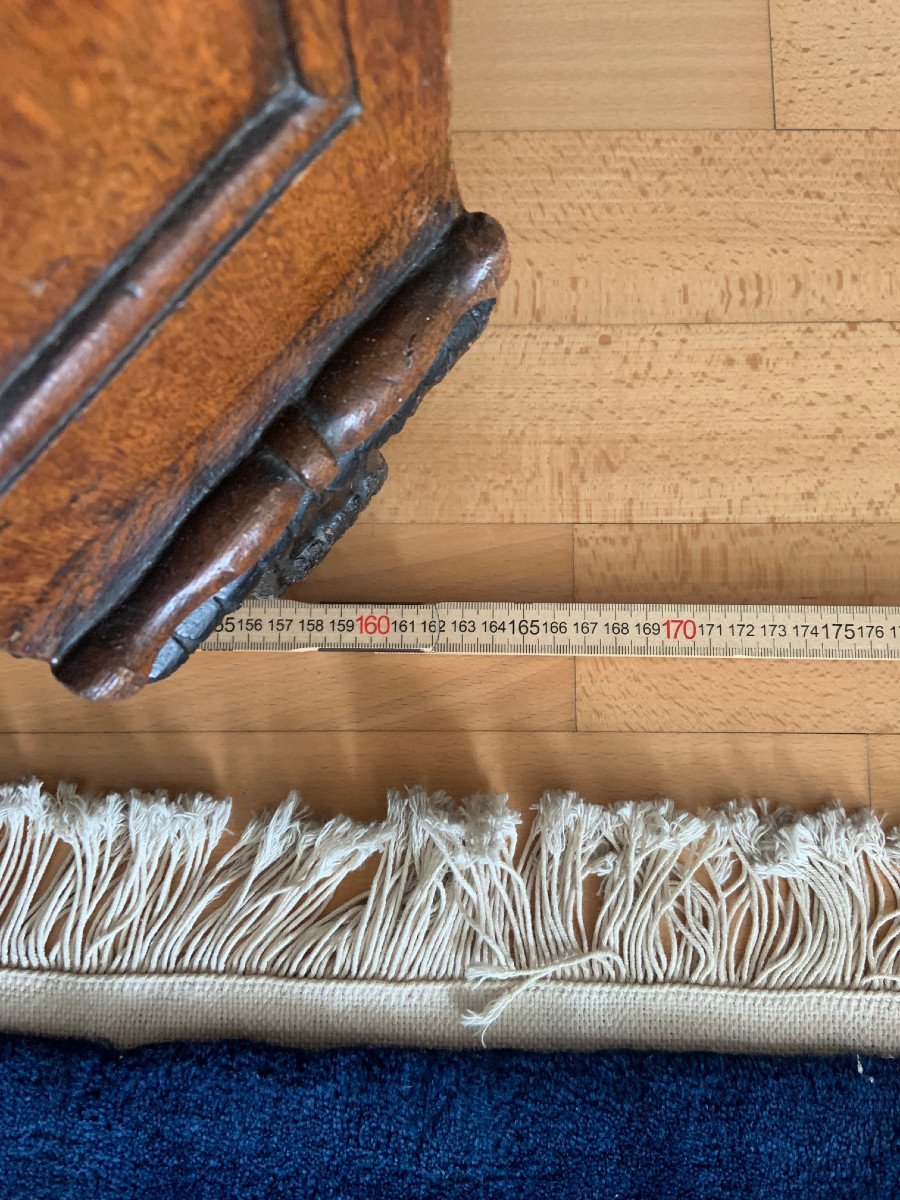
233 261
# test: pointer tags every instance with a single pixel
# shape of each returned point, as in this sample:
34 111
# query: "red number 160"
370 623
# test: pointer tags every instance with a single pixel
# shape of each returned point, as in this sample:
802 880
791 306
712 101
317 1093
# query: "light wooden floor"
690 390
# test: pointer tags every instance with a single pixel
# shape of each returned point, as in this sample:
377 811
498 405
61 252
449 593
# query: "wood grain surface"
240 340
884 771
727 696
740 226
422 563
765 563
688 391
352 770
779 422
836 64
145 97
313 691
612 65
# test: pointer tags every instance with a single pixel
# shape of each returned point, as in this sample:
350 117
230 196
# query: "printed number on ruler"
638 630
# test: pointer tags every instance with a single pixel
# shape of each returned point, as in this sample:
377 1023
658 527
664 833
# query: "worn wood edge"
351 405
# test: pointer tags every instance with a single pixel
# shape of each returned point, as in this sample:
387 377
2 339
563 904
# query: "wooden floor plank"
722 696
691 226
836 64
350 771
738 564
616 65
307 691
884 769
421 564
728 564
669 423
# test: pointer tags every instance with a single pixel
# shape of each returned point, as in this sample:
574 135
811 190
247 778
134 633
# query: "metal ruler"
637 630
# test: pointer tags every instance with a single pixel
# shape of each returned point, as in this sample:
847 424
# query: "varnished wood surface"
688 392
67 151
354 399
240 340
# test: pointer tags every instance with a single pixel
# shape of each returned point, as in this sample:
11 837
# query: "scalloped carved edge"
315 467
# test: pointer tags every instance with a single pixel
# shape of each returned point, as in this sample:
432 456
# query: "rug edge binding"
746 900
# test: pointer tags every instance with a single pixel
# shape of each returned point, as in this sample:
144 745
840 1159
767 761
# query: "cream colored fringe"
742 895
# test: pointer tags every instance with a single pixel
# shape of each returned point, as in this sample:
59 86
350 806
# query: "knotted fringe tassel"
743 895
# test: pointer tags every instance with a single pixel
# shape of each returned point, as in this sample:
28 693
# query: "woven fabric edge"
130 918
133 1010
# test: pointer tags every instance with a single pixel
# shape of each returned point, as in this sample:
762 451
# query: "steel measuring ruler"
636 630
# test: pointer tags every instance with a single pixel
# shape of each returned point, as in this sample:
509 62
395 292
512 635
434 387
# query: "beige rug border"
131 1010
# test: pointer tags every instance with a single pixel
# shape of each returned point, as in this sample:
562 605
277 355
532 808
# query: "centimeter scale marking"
636 630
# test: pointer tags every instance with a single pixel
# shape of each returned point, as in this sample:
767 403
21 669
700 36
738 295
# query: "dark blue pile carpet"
240 1121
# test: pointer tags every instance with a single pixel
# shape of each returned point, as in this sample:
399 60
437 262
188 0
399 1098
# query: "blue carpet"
234 1121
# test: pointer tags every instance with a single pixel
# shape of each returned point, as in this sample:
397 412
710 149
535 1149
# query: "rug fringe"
744 895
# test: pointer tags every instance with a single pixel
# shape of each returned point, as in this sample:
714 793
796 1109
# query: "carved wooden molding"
316 99
318 445
262 266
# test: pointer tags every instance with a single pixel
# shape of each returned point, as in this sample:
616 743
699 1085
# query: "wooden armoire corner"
233 259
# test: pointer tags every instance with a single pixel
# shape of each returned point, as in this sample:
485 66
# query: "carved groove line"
177 298
245 144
